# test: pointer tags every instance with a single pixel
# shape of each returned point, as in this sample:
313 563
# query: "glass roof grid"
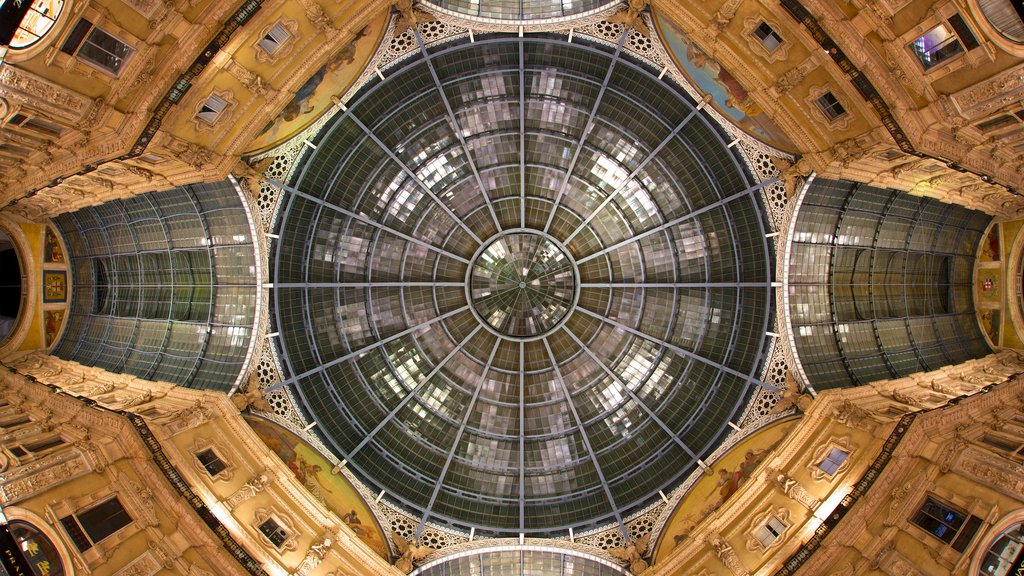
134 267
538 212
892 263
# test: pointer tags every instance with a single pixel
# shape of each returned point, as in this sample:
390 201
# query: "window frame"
278 27
962 535
216 459
204 444
76 52
775 522
75 517
828 108
828 458
770 34
966 56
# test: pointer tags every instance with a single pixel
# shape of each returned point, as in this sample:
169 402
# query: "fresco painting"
55 286
727 94
314 97
989 251
52 252
53 319
314 472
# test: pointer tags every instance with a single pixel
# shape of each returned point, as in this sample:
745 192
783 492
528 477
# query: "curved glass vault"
521 285
516 561
521 10
879 284
165 286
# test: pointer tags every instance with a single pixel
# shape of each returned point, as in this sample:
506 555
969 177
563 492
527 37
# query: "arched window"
39 18
1004 555
38 551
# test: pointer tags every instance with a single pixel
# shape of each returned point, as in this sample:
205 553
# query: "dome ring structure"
650 339
546 281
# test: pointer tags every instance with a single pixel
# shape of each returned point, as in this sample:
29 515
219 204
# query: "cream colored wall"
101 456
256 485
859 421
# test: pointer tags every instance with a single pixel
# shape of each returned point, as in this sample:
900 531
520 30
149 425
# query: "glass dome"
521 285
525 11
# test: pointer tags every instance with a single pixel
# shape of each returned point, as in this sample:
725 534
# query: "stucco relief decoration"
144 565
985 97
822 452
726 554
790 487
23 87
24 486
249 490
999 473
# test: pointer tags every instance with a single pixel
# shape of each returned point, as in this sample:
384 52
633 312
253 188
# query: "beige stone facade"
75 135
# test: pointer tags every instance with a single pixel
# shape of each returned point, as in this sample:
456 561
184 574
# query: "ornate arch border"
31 270
989 537
43 525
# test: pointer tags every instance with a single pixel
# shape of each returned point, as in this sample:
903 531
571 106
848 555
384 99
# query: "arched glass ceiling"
522 285
521 10
880 284
525 561
164 286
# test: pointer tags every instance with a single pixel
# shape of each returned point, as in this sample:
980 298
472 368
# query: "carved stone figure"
248 490
411 552
853 415
793 489
726 554
317 553
632 554
253 399
792 397
409 16
633 17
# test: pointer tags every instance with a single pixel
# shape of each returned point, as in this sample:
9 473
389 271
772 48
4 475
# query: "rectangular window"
274 532
943 42
45 444
946 523
833 461
1000 443
150 158
274 38
830 106
94 524
96 46
211 109
996 123
36 125
211 462
770 532
767 36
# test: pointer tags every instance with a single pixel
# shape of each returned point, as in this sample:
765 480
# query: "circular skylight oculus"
521 285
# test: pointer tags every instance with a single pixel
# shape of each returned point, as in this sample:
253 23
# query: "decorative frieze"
992 94
18 485
23 87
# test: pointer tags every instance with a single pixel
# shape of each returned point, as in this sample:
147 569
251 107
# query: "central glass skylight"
521 285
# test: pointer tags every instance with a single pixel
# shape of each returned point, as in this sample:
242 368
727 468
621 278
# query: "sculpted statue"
632 554
253 399
411 552
632 17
